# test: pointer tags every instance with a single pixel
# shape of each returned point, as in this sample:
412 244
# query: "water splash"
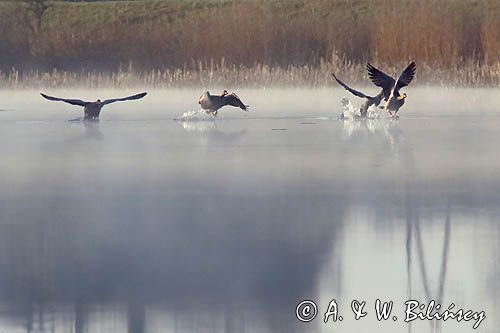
195 115
350 112
373 123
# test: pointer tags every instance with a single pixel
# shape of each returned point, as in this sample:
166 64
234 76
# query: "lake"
144 223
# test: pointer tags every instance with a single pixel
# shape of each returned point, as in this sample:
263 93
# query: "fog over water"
143 223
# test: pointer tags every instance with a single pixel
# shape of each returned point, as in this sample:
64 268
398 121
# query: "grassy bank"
178 42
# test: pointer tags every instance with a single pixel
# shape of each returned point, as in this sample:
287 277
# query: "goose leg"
386 109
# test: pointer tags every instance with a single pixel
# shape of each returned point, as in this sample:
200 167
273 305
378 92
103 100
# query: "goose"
390 87
92 109
212 103
363 109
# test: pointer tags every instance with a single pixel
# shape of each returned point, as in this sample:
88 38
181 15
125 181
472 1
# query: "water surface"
140 223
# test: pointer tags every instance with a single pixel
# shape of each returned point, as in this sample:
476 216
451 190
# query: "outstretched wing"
380 79
234 100
128 98
406 76
70 101
352 91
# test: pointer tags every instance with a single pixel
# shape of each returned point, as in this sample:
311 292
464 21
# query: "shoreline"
259 76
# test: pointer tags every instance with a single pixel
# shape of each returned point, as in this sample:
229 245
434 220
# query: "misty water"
141 223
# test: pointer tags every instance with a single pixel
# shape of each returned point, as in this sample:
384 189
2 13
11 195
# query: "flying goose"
369 99
92 109
391 87
212 103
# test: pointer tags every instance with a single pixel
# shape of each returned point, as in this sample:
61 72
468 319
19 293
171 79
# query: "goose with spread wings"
212 103
375 100
390 87
92 109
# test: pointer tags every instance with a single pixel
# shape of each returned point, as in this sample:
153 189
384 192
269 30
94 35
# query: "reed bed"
252 42
470 75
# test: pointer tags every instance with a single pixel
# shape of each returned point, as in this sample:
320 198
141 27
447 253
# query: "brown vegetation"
256 41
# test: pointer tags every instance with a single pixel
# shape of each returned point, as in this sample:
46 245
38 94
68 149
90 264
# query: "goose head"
203 96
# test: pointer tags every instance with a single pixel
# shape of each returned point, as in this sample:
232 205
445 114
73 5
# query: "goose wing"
128 98
406 76
380 79
352 91
234 100
70 101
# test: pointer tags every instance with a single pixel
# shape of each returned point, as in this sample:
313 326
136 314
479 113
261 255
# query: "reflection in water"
151 231
438 297
376 121
413 223
199 126
414 232
366 127
92 130
393 133
371 126
210 132
84 261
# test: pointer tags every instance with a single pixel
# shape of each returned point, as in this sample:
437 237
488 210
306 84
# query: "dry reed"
254 42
